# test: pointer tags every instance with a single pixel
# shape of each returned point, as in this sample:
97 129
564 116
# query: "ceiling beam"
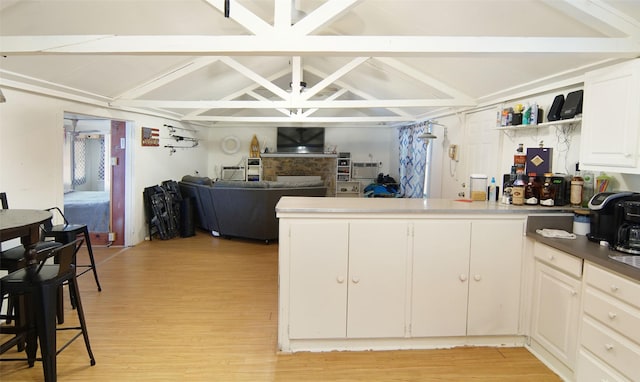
357 92
332 97
322 16
267 104
328 80
301 118
248 90
604 18
168 77
293 45
243 16
425 79
255 77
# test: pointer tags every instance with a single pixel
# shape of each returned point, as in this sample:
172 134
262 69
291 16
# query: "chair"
66 233
39 283
14 258
3 200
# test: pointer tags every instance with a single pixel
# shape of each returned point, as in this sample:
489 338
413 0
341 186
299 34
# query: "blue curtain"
412 160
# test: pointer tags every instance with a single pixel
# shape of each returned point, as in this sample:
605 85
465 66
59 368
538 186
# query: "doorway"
94 176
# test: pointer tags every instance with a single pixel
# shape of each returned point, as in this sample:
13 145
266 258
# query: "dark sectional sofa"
242 209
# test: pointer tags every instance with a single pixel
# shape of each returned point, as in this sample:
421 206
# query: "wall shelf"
544 124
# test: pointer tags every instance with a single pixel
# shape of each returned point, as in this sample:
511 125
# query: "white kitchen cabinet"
466 277
556 303
610 136
317 275
347 279
610 333
440 278
377 278
495 277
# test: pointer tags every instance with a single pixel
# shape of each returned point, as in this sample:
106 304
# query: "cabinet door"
318 279
440 282
494 277
556 303
377 278
611 116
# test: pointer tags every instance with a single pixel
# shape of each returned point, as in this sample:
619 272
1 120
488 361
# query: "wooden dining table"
23 224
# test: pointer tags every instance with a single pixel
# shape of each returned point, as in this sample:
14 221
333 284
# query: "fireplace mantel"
295 164
298 155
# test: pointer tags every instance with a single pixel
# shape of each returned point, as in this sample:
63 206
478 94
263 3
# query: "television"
302 140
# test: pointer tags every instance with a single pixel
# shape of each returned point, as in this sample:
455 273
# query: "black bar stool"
68 232
39 284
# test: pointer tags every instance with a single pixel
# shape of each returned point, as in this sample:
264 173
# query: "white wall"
364 144
31 142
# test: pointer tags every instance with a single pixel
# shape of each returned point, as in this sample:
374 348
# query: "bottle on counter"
547 194
588 188
508 186
517 191
577 183
520 159
493 190
532 191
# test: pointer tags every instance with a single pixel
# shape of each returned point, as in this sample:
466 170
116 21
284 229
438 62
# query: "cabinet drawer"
558 259
614 314
614 285
612 348
591 369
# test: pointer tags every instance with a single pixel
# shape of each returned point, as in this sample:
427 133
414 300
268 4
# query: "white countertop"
299 204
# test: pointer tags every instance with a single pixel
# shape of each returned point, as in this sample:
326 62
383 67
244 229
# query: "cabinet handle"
463 278
609 347
551 257
477 277
355 280
573 293
612 315
340 279
614 288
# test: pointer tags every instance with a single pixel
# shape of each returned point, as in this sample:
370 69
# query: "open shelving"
544 124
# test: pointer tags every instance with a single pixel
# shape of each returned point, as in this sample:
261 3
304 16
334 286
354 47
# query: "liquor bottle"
547 194
517 191
532 191
520 159
577 183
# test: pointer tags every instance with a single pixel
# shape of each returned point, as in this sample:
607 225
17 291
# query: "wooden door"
118 170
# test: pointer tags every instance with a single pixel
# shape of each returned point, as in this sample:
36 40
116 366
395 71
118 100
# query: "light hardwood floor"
205 309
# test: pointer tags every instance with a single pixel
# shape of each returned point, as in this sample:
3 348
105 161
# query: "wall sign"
150 136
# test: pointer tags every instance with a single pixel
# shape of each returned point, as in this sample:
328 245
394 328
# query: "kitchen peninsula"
392 273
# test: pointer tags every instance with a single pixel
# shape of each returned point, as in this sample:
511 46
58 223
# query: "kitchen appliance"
628 234
562 189
602 214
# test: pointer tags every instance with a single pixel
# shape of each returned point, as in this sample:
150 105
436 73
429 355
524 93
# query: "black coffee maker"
604 221
628 234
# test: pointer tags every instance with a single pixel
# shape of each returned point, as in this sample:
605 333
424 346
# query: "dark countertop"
580 247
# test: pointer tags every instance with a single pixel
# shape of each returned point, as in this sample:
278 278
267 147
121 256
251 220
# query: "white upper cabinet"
610 137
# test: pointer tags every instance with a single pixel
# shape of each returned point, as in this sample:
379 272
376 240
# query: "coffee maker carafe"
628 235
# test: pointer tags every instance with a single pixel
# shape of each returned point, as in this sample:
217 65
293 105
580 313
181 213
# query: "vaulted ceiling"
307 62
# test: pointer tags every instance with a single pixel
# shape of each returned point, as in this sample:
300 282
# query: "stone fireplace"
322 165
